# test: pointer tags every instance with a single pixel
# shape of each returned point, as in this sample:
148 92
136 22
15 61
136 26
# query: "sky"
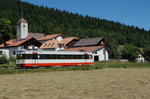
129 12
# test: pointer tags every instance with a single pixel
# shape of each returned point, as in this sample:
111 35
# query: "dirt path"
96 84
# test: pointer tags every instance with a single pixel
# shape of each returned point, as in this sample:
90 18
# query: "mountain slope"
50 20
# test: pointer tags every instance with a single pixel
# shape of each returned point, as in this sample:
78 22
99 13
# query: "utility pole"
105 49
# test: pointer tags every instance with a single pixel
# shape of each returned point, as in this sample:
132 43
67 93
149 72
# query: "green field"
10 68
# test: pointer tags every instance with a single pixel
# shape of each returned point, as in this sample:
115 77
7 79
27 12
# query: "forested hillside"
49 20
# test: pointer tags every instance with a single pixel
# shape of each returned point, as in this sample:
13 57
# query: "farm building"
141 56
58 37
11 47
97 51
99 41
54 42
53 45
69 42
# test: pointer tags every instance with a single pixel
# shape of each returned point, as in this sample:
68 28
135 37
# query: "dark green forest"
49 21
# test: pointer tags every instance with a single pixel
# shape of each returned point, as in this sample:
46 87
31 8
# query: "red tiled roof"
51 44
9 42
15 42
49 37
19 42
87 49
68 39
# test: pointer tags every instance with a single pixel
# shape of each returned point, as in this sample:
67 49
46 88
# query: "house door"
35 57
96 58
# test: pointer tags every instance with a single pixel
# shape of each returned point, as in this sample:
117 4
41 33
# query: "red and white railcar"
41 58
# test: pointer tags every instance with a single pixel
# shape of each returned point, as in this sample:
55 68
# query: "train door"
35 61
85 57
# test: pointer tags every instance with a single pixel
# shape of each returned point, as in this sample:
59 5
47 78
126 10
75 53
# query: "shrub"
5 66
13 59
130 52
3 60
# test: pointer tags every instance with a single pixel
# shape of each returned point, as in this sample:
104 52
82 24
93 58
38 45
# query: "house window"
24 25
14 52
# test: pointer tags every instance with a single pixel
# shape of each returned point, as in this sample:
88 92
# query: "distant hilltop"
51 21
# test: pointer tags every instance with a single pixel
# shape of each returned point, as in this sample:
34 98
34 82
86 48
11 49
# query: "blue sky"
129 12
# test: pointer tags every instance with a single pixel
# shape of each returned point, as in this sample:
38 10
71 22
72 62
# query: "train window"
61 57
35 56
66 56
86 56
76 56
54 56
90 56
19 56
42 56
48 56
29 56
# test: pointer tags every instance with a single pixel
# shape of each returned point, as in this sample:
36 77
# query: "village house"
99 41
69 42
11 47
58 37
140 57
23 41
36 35
94 45
53 45
98 51
54 42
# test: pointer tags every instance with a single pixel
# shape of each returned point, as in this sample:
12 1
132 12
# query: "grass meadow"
114 81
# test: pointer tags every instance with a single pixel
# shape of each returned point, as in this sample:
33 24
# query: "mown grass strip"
10 68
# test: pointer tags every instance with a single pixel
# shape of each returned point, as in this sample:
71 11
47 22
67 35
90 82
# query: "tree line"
50 21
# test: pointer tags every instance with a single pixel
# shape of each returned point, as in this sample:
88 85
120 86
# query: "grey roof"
88 42
36 35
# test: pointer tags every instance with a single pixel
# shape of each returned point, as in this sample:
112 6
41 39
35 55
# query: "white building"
53 45
141 56
98 52
22 29
11 47
58 37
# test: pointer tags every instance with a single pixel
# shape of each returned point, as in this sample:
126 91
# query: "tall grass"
10 67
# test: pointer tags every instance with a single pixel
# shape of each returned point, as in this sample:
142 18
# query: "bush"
3 60
13 59
5 66
130 52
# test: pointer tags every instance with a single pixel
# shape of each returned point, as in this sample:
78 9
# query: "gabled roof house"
98 51
58 37
70 41
52 45
11 47
99 41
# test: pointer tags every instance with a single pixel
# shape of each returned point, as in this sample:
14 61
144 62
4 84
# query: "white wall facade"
140 58
5 52
60 49
22 30
100 54
12 51
59 38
